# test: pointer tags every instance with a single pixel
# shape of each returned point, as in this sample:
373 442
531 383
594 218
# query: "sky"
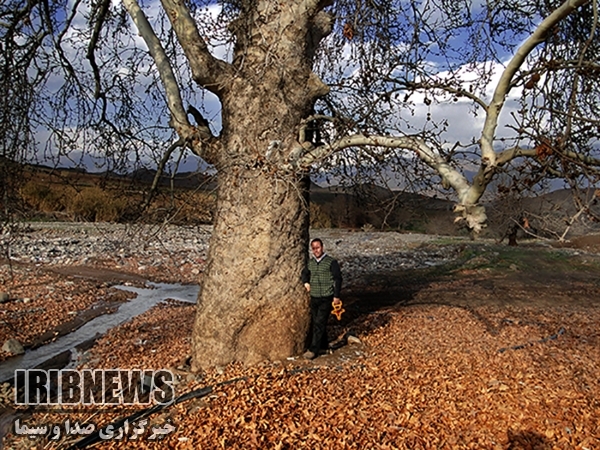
464 130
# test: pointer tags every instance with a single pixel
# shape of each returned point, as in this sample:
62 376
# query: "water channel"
146 299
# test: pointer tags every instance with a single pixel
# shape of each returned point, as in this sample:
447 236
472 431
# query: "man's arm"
305 275
336 273
306 278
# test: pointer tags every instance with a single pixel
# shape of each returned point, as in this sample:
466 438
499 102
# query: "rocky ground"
461 344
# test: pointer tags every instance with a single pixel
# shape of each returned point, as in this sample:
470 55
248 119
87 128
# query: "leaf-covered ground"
44 304
498 351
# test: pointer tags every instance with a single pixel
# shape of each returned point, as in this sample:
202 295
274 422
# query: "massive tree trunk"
252 305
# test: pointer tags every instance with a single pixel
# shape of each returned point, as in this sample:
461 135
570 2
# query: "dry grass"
114 202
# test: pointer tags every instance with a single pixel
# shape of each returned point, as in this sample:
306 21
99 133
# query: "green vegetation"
527 259
414 226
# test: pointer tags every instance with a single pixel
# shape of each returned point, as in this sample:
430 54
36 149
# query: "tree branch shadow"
370 303
527 440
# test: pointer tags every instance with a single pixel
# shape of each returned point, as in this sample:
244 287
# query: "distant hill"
366 206
551 213
144 176
380 208
186 180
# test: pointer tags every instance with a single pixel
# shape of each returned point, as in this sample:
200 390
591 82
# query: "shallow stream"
146 299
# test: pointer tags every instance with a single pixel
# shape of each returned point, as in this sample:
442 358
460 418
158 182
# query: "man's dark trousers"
320 309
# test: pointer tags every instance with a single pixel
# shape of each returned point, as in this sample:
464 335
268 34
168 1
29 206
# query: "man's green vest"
321 279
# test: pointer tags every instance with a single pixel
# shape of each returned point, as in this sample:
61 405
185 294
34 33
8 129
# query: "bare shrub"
46 197
318 217
94 204
183 207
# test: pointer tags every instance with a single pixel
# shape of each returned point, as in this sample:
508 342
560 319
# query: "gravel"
362 253
178 253
170 253
40 300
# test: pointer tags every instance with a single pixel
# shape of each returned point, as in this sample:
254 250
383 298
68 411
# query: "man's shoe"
309 355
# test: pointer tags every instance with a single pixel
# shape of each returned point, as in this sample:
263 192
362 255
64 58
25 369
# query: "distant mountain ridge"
380 208
366 205
186 180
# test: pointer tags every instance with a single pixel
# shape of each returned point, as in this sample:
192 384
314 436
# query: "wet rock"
13 347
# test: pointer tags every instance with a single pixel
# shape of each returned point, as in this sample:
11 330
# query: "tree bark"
252 306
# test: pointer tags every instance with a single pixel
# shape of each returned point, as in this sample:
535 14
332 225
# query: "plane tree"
518 82
267 91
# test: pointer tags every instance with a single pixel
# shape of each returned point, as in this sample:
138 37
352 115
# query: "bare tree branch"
577 79
208 71
445 87
574 218
58 40
504 84
179 119
585 159
428 155
509 154
160 169
100 18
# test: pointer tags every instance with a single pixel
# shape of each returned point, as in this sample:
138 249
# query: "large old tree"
299 83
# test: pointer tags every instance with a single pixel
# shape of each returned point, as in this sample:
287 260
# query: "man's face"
317 249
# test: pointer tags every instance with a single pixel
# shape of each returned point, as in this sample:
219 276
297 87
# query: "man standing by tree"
323 279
